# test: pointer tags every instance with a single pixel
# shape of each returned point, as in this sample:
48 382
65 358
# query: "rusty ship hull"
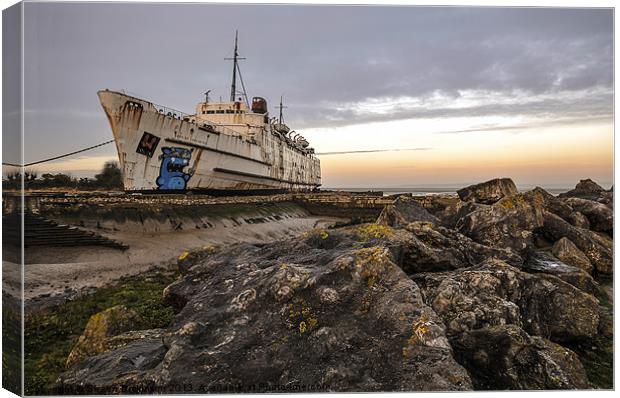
223 147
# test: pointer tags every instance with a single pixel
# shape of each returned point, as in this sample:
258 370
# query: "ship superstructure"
225 146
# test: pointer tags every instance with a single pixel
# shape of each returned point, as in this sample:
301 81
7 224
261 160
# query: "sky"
479 93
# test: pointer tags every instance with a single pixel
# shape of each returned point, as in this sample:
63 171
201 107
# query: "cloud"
582 105
532 124
335 65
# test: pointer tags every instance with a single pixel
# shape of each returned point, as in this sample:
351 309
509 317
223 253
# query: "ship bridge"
236 115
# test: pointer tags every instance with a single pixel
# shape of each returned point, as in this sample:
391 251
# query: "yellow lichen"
419 329
456 379
324 235
372 261
183 256
302 316
374 231
513 202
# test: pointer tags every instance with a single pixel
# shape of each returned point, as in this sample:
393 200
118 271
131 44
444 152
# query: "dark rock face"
597 248
588 189
431 248
451 214
557 310
104 371
320 311
568 253
543 262
475 297
507 224
553 204
504 356
494 293
404 211
488 192
600 217
578 220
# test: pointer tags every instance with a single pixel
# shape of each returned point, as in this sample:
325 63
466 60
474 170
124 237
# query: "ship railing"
177 114
171 112
191 118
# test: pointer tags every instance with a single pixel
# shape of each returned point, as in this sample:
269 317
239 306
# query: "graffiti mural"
172 174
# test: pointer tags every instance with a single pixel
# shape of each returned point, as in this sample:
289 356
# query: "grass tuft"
51 334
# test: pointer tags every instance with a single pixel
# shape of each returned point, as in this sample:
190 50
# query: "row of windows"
221 111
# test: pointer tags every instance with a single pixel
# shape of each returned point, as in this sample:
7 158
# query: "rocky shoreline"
497 290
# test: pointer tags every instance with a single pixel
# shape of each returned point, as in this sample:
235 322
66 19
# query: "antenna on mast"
280 107
235 58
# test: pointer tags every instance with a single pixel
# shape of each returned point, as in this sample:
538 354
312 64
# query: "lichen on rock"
342 316
100 328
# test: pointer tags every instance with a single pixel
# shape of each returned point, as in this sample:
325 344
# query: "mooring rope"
111 141
373 151
59 156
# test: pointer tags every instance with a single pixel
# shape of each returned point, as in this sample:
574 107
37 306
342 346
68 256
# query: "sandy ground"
52 273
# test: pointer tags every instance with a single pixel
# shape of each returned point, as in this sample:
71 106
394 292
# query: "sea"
430 190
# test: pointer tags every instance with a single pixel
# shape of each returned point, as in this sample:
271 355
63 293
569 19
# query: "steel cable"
59 156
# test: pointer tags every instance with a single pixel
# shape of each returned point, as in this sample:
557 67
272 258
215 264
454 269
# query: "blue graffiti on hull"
171 171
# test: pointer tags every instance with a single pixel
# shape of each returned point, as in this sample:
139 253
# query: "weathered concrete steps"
39 231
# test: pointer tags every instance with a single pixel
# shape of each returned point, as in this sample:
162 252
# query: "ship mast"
235 58
281 107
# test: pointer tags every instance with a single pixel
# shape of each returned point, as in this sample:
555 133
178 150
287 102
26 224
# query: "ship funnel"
259 105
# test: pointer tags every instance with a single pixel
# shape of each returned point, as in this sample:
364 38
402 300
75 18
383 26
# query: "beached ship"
230 146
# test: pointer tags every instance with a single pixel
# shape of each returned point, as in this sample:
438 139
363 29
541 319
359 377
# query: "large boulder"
597 248
568 253
451 214
558 310
506 357
600 217
403 211
430 248
578 220
104 371
544 262
330 310
506 224
475 297
488 192
588 189
436 203
100 328
553 204
495 293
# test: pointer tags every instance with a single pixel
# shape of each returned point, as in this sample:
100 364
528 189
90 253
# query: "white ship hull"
164 151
